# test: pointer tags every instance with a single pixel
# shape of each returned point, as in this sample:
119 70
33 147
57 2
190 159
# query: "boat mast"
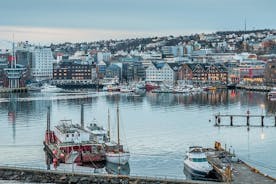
108 130
118 125
82 119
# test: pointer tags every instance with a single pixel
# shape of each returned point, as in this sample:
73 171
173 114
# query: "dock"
229 168
246 117
13 90
254 88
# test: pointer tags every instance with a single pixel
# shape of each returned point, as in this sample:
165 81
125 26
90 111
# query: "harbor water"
156 128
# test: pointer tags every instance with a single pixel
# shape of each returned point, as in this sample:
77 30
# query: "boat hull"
195 174
118 158
150 87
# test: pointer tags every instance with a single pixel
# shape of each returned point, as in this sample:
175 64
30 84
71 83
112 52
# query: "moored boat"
111 88
70 143
115 152
50 88
97 133
272 94
73 144
196 164
151 86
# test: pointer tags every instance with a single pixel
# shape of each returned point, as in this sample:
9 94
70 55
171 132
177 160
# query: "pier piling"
247 120
231 120
262 120
216 120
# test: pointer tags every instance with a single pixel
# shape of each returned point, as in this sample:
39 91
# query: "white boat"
196 164
115 152
272 94
111 88
126 89
97 133
50 88
33 88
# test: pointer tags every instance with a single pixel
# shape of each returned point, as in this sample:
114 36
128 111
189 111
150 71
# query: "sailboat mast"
118 125
108 130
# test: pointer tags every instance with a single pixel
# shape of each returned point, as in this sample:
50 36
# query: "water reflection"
117 169
160 124
98 167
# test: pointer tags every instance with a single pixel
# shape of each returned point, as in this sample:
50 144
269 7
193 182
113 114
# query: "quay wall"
46 176
254 88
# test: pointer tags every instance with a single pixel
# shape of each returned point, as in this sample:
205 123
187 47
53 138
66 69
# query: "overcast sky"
48 21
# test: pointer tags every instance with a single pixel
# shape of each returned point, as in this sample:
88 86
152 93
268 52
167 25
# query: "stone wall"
44 176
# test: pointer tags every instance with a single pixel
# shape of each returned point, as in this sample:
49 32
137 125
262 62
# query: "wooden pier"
246 117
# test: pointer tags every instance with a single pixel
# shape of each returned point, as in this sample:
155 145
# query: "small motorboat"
196 164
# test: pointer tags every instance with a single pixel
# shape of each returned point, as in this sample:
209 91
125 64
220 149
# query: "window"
199 160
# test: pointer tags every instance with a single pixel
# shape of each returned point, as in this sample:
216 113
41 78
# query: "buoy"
61 155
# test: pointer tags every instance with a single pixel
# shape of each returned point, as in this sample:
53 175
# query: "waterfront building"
72 70
133 71
3 64
24 59
162 71
203 73
113 71
42 63
270 73
101 70
251 71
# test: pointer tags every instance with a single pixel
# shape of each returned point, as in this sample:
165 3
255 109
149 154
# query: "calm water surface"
157 128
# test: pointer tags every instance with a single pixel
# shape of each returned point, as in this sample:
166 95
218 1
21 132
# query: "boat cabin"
97 133
66 132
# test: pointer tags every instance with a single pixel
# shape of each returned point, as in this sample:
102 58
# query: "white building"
42 63
161 72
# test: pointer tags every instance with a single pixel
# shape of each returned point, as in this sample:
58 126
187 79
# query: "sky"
53 21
